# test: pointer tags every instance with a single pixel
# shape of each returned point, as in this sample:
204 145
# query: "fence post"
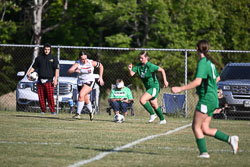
57 87
186 97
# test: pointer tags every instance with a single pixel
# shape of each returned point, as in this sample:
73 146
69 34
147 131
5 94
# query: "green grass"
31 139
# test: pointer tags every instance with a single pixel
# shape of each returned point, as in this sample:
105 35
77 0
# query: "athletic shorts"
90 84
153 92
207 108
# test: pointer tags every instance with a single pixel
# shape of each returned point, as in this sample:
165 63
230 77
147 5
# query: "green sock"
159 113
221 136
148 107
201 143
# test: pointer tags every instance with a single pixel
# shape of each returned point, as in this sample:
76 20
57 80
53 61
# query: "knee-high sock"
159 113
221 136
80 105
201 143
148 107
89 106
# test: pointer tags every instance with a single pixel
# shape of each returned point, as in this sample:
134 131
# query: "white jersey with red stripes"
86 72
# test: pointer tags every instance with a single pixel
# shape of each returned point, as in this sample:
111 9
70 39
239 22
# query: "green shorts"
153 92
207 107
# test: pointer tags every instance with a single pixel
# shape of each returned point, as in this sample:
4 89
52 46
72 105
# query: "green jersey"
125 92
147 74
207 91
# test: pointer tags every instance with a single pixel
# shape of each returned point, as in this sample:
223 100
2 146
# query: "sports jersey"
125 92
207 91
147 74
86 72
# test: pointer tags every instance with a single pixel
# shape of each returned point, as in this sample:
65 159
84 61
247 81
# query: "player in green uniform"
206 85
147 72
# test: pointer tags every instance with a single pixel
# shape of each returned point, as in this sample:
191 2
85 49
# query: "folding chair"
173 103
130 107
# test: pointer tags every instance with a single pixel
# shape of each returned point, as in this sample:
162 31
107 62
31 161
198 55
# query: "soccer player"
146 70
86 81
205 83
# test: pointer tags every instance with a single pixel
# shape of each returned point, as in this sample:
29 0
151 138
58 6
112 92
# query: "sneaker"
204 155
152 118
234 140
53 113
76 116
91 116
163 122
42 112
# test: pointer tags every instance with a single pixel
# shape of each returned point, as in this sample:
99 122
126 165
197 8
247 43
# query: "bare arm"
74 68
196 82
130 67
163 76
56 77
217 79
30 71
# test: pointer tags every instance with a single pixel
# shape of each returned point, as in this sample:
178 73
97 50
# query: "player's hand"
176 89
130 66
77 70
101 81
166 84
55 82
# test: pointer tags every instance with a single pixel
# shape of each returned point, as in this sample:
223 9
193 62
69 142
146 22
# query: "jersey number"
213 69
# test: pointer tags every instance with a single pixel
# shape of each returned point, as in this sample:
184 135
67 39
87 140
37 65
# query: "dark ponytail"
203 47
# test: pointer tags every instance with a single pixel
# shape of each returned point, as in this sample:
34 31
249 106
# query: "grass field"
31 139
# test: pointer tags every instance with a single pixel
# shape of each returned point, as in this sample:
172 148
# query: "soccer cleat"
152 118
204 155
163 122
91 116
76 116
53 113
234 140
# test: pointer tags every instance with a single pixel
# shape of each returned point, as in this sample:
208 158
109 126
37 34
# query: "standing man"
47 67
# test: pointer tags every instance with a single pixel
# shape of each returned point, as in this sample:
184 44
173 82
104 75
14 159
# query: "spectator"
120 98
47 67
222 102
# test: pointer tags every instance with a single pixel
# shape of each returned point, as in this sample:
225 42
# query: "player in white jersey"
86 81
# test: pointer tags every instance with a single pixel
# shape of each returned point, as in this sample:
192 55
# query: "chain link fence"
179 64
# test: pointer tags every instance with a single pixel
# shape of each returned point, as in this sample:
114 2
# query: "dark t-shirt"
45 65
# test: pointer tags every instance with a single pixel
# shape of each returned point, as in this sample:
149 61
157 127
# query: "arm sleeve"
35 65
154 67
135 69
111 96
130 96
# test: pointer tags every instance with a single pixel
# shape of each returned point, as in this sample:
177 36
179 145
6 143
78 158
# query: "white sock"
80 105
89 106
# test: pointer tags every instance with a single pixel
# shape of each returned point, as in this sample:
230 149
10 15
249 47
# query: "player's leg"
144 101
198 133
158 111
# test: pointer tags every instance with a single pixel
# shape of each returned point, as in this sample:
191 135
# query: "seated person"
120 98
222 102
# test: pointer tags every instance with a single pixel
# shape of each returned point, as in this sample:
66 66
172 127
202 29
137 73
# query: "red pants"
46 91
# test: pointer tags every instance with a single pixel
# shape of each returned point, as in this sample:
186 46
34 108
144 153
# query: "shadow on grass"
58 118
112 150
